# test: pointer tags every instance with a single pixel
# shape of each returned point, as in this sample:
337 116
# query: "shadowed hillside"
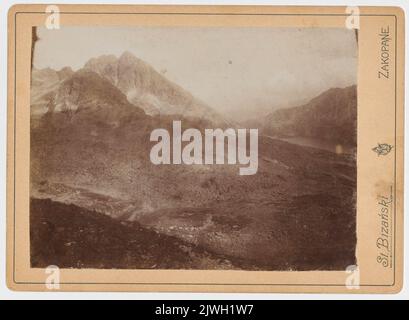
330 116
72 237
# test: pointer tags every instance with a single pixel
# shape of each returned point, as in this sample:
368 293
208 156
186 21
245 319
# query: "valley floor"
298 213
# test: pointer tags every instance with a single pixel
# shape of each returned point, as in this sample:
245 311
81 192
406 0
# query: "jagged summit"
147 88
140 83
127 55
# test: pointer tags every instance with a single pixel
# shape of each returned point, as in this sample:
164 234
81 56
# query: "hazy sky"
234 70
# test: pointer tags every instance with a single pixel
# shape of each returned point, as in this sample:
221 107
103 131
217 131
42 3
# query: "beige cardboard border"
380 119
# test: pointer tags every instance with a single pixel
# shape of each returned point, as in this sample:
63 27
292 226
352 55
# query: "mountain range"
141 84
89 153
330 116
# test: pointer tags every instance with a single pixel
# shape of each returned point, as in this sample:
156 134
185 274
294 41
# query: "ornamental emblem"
382 149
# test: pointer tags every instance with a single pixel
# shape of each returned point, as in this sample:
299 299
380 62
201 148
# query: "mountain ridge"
329 116
142 85
147 88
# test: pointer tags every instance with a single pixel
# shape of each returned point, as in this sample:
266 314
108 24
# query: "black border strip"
189 283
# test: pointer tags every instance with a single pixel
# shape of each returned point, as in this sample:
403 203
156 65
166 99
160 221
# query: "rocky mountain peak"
148 89
140 85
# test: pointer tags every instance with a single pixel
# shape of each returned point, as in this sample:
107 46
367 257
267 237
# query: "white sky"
234 70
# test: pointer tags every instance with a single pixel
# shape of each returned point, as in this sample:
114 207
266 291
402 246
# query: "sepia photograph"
210 148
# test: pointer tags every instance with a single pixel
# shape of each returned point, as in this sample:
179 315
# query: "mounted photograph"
205 148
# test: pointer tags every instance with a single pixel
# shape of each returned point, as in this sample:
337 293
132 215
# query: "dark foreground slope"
72 237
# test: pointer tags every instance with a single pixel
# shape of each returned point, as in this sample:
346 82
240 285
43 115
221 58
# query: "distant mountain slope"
86 91
330 116
140 84
87 100
44 82
148 89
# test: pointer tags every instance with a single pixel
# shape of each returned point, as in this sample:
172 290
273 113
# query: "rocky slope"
298 196
44 83
330 116
141 84
62 234
147 88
